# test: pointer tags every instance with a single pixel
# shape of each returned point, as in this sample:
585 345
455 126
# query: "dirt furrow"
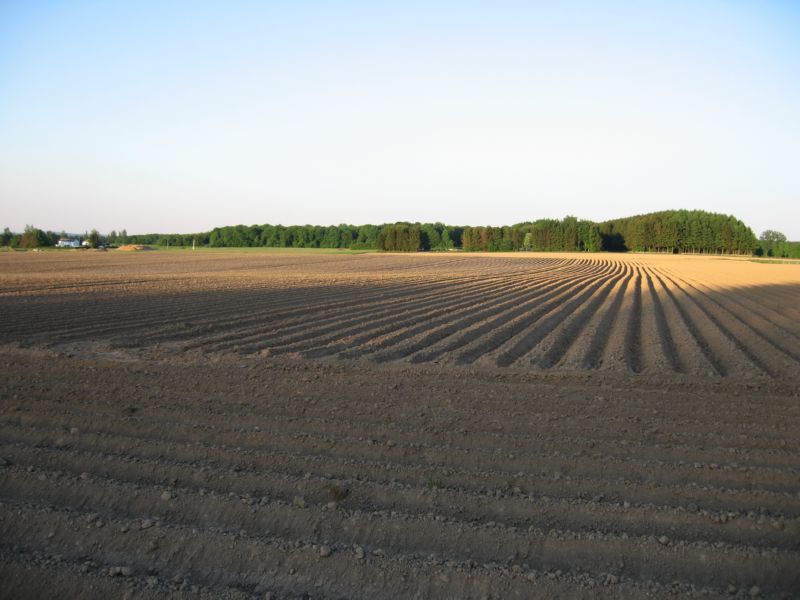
711 355
616 439
602 332
542 482
444 304
513 508
778 338
475 317
566 335
157 323
633 331
665 338
497 336
321 319
548 461
644 558
474 339
733 331
290 569
528 338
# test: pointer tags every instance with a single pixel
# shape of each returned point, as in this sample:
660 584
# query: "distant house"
68 243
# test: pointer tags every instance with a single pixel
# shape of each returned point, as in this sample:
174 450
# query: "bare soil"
246 425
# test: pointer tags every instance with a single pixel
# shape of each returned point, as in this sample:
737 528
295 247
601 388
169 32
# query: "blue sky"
181 116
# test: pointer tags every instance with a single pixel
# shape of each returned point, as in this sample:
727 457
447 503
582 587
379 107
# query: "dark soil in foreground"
147 476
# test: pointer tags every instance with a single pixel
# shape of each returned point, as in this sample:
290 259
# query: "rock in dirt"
324 551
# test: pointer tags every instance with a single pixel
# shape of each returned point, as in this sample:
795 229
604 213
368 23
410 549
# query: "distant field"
200 250
303 424
627 313
260 249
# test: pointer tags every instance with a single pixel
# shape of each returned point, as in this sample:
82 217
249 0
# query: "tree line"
33 237
545 235
774 243
679 231
675 231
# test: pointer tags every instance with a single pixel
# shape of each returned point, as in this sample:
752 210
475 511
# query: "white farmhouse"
68 243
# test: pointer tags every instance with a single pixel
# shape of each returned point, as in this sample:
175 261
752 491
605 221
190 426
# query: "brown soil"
384 426
133 248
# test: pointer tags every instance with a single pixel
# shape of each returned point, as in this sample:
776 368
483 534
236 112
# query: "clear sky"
181 116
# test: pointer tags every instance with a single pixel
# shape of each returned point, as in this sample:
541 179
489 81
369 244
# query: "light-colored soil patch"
134 248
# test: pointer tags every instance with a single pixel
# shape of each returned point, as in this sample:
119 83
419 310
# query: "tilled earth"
145 459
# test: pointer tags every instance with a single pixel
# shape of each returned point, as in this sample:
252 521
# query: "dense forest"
694 231
674 231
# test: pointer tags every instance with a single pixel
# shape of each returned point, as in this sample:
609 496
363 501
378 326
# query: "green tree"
33 238
527 241
94 238
772 236
772 242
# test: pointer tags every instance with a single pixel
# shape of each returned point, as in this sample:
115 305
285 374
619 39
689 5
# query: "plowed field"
302 425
